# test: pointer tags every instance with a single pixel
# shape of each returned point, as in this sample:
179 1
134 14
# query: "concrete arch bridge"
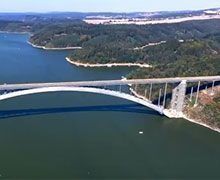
9 91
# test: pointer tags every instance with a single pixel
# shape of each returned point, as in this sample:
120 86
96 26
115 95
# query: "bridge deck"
108 82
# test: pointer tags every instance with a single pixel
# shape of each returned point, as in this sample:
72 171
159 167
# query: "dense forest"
193 58
98 39
117 43
14 26
190 48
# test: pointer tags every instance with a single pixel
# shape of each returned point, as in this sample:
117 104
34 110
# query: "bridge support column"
145 93
120 88
197 94
151 86
191 94
164 97
177 101
213 85
160 92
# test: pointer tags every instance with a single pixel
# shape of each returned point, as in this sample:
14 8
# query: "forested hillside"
98 39
14 26
190 48
193 58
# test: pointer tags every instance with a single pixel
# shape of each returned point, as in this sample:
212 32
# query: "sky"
105 5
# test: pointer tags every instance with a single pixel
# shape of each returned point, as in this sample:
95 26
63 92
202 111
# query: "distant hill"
33 17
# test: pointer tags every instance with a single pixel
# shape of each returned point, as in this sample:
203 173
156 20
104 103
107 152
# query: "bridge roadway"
8 87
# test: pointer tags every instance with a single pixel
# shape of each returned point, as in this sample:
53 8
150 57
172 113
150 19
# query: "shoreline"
45 48
108 64
14 32
169 114
201 123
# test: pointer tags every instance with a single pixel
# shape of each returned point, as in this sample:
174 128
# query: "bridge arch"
82 89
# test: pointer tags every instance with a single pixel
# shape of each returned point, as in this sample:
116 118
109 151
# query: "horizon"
85 12
109 6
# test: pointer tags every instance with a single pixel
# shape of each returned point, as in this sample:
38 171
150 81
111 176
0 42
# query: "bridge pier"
165 94
159 98
177 101
178 97
191 94
151 87
197 94
213 85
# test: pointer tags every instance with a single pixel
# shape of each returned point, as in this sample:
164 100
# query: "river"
83 135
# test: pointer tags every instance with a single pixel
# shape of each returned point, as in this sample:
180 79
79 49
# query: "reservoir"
83 135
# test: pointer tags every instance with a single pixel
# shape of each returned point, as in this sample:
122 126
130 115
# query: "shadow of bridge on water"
130 108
